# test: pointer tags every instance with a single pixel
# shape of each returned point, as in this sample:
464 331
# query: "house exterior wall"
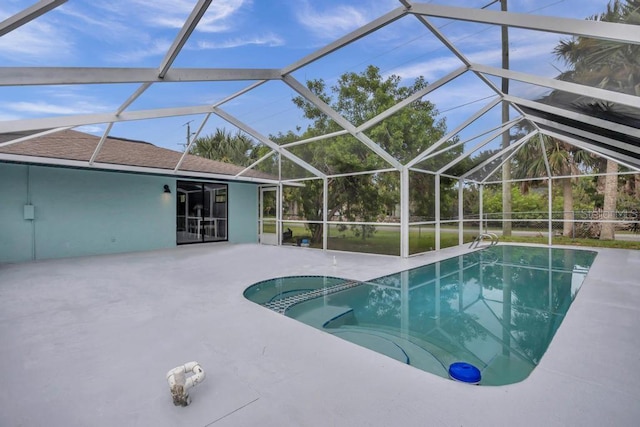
82 212
15 232
243 213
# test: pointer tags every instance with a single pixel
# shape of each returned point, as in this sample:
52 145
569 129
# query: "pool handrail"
493 236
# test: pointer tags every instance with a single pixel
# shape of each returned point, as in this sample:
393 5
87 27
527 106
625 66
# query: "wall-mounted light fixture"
167 189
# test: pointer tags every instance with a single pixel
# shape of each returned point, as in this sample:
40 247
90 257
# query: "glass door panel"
268 226
214 221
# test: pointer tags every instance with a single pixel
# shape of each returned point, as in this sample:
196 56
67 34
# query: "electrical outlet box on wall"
29 212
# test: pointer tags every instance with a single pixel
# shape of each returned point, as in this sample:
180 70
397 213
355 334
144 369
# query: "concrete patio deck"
88 341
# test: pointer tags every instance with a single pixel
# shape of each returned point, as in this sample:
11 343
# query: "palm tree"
225 147
564 160
607 65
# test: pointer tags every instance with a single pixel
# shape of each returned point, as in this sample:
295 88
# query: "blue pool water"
496 309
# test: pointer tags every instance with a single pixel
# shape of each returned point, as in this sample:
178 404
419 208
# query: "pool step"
427 357
281 305
327 316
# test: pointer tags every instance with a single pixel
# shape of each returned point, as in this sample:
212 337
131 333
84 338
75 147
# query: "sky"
259 34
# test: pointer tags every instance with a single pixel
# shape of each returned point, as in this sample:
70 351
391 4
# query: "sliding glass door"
201 212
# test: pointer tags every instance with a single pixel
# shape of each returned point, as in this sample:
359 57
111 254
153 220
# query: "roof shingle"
73 145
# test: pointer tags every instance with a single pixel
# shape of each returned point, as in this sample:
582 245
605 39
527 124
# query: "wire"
467 103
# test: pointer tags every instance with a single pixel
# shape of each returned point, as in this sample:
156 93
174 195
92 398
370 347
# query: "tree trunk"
506 201
610 200
567 207
316 233
600 181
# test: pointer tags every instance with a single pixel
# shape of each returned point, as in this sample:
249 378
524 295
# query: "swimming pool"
497 308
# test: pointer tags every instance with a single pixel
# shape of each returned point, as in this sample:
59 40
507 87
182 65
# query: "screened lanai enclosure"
394 127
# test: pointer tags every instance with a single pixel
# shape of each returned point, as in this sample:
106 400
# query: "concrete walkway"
88 341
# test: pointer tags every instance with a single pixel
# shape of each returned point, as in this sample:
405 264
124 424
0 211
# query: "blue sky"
256 34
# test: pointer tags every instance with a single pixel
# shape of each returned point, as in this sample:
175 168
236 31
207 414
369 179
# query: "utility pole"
188 125
507 273
506 140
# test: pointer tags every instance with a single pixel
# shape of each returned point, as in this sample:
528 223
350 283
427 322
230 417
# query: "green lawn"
384 241
270 227
387 241
620 244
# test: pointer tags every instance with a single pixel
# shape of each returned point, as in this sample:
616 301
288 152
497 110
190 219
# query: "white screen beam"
594 29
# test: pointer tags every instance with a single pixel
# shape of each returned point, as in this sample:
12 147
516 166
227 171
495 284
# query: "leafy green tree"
359 97
530 202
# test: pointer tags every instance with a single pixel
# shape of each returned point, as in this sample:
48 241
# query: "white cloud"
143 19
157 48
172 13
168 22
97 129
152 8
268 40
37 42
60 100
536 54
96 24
333 23
46 108
430 70
214 21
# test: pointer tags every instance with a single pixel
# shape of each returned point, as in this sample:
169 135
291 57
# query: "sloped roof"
78 146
